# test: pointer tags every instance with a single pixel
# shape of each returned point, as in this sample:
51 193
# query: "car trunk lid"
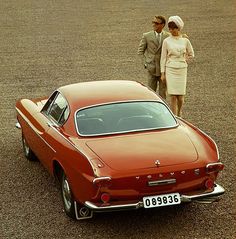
144 150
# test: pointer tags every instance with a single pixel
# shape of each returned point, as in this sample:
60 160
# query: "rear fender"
204 136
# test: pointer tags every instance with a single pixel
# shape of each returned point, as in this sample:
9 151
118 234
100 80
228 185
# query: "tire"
72 208
29 154
67 197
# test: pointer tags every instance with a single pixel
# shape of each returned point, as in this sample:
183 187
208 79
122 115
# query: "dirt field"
48 43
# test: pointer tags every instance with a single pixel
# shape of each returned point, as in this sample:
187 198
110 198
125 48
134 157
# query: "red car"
115 145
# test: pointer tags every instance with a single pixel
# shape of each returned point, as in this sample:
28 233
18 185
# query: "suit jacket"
150 51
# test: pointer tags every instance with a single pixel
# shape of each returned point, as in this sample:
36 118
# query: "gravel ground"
46 43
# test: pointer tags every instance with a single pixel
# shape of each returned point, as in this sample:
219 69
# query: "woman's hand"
163 77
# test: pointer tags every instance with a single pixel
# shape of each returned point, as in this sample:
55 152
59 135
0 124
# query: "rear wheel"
72 208
29 154
67 197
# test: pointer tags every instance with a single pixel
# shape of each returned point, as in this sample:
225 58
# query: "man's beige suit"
150 52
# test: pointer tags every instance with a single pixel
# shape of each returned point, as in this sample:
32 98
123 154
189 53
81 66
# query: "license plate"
161 200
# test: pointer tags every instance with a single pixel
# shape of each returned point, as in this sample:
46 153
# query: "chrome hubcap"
66 194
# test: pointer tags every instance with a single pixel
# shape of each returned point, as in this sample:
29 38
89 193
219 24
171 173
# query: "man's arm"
141 49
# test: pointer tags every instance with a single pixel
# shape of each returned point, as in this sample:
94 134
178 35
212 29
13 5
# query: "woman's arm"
163 56
190 51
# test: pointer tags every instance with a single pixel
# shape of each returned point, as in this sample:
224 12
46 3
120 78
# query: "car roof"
86 94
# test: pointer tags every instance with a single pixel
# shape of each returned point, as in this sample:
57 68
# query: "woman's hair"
172 25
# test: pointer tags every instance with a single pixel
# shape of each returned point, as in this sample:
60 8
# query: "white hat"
177 20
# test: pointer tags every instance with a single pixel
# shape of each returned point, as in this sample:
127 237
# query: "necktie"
159 37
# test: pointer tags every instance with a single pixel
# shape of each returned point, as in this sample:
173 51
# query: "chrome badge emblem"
197 171
157 163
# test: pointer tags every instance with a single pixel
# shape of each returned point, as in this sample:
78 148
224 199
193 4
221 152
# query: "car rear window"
123 117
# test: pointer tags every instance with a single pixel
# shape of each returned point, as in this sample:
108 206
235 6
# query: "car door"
53 115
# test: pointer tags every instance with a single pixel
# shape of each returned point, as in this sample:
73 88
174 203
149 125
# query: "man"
150 51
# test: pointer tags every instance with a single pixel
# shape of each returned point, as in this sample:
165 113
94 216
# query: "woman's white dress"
175 53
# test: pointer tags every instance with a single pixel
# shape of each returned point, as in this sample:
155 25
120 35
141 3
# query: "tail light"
209 184
102 181
105 197
214 167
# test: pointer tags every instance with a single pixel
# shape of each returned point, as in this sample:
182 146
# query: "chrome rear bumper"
207 197
218 190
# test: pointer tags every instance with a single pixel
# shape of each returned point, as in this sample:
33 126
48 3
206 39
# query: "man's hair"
162 18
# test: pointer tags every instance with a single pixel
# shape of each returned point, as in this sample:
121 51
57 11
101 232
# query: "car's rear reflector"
209 184
105 197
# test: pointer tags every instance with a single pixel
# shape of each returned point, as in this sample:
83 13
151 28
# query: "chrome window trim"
46 113
124 132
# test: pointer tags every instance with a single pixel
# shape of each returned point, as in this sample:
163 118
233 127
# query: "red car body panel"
129 159
140 151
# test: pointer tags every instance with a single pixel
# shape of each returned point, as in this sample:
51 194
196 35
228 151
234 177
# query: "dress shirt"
158 36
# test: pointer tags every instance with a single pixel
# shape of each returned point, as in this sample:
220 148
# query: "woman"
176 52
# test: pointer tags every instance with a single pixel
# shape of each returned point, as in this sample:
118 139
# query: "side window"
48 104
57 108
64 116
